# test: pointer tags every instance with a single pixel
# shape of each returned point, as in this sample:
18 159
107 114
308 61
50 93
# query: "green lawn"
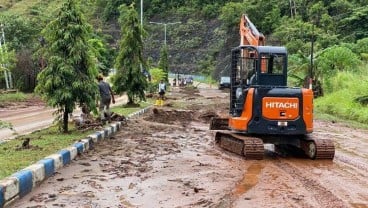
44 143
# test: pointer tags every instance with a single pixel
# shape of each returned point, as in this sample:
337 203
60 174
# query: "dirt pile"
86 121
170 116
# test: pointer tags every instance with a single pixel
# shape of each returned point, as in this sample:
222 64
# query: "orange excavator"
263 109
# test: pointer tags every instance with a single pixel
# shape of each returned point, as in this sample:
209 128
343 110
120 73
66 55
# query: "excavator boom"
249 35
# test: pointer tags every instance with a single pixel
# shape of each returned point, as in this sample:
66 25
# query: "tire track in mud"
323 196
352 162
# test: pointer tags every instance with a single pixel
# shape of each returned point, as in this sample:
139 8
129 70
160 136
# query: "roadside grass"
126 110
42 143
341 102
12 97
320 115
46 142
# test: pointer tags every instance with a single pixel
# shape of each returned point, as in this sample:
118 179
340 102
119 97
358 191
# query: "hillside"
192 43
207 31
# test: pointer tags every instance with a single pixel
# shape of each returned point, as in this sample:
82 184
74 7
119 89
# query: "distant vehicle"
224 83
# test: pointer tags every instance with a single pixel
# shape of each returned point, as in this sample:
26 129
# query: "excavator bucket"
219 123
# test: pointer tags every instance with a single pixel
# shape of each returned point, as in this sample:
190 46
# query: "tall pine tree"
69 76
129 77
164 61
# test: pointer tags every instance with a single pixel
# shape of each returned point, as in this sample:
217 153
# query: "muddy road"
168 158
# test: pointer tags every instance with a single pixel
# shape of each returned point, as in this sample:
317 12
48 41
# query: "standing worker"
106 95
161 91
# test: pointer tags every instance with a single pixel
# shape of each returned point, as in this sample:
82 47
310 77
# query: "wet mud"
168 158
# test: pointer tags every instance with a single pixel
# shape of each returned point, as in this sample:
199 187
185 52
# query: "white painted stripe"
102 134
11 187
73 152
109 131
86 144
58 160
38 173
94 137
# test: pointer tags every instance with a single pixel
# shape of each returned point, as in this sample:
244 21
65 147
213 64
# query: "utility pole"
7 74
165 40
311 60
165 26
142 13
141 66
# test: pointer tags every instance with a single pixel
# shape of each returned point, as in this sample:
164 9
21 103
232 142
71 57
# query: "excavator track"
219 123
318 148
250 147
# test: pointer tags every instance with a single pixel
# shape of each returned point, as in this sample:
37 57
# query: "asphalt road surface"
31 117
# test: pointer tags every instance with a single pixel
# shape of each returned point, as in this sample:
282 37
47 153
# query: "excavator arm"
249 35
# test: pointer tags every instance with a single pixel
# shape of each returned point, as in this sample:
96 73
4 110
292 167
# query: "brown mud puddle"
250 179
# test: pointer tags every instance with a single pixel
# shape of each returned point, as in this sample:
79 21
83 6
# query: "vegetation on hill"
205 31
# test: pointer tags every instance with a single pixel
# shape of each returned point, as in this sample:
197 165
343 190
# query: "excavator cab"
260 100
260 65
255 67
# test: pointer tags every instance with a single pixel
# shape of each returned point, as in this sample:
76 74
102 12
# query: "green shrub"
152 87
346 96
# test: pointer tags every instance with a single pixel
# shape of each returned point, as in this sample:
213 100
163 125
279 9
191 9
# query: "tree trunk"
130 100
65 120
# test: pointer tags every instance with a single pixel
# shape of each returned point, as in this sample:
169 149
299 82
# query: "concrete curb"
22 182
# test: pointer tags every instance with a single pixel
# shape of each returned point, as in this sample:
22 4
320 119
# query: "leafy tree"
111 9
100 55
69 76
316 11
207 66
157 74
164 62
361 48
355 25
7 59
25 72
298 69
129 77
20 32
267 20
340 7
231 13
211 10
7 64
295 35
337 58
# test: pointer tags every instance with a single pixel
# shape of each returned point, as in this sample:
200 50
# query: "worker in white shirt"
161 89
